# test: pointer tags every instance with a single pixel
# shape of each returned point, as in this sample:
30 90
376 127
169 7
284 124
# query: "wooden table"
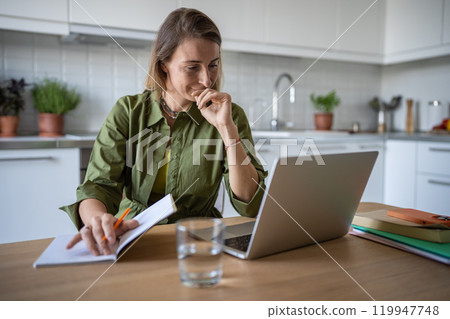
149 271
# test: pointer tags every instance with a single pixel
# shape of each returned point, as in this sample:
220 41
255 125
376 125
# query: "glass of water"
200 250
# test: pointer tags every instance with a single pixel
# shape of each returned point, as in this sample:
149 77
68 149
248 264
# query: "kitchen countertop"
86 140
428 137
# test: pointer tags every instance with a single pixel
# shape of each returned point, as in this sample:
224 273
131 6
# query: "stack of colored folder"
431 241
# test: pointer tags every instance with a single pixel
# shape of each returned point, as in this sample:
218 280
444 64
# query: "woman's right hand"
99 223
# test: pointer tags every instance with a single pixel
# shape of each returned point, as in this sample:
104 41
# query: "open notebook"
57 254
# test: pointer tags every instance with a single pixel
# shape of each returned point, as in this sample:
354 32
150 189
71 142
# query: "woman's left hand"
218 113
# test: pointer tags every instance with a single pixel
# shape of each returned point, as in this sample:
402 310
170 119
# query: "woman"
179 120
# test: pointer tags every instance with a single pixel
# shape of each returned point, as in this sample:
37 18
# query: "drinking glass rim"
184 222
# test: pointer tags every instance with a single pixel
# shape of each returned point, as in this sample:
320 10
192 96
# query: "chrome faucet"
275 123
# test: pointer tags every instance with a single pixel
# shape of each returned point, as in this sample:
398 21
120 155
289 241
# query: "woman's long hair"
179 25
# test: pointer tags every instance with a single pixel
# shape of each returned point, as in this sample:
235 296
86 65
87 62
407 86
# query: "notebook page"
148 218
57 254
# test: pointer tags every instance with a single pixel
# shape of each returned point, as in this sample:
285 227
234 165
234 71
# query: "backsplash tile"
422 81
103 73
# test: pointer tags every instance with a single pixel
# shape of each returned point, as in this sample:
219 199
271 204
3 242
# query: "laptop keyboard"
240 243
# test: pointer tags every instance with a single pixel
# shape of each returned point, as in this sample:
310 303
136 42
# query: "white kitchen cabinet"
237 20
44 16
297 28
389 32
143 15
413 30
433 158
35 182
301 23
400 173
433 194
374 191
366 34
433 177
412 24
417 175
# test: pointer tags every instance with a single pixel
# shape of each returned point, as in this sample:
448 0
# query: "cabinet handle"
374 147
37 158
337 147
432 181
437 149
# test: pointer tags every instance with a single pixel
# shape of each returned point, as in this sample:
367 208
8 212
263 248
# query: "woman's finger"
126 225
74 240
108 228
200 96
88 238
98 233
207 96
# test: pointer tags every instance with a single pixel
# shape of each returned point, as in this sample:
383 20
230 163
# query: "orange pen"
117 223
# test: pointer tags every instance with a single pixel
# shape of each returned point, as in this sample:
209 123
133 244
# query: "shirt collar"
156 115
155 111
194 114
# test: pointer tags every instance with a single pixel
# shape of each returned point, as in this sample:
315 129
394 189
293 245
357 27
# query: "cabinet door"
446 28
412 25
45 16
433 177
433 194
366 34
302 23
400 173
34 184
433 158
374 191
144 15
236 19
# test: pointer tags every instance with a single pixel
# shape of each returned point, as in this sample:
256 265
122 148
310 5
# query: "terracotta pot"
323 121
51 125
8 125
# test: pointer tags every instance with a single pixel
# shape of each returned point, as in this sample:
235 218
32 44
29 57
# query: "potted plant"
53 99
11 103
325 104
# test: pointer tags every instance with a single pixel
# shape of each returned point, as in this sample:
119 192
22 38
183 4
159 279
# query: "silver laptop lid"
306 202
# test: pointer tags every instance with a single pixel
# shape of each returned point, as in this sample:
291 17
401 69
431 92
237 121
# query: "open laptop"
303 204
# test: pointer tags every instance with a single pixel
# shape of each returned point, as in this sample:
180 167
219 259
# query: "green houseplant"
11 104
325 105
52 98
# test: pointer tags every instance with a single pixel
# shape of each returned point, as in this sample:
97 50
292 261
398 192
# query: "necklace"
167 110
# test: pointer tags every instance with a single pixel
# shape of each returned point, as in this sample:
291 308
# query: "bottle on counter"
436 113
409 116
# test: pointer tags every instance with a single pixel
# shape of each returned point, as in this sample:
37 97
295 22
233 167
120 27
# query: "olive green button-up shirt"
130 149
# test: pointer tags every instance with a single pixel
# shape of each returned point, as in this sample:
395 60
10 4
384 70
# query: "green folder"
436 248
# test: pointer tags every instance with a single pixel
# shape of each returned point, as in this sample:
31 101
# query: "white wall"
421 81
104 73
